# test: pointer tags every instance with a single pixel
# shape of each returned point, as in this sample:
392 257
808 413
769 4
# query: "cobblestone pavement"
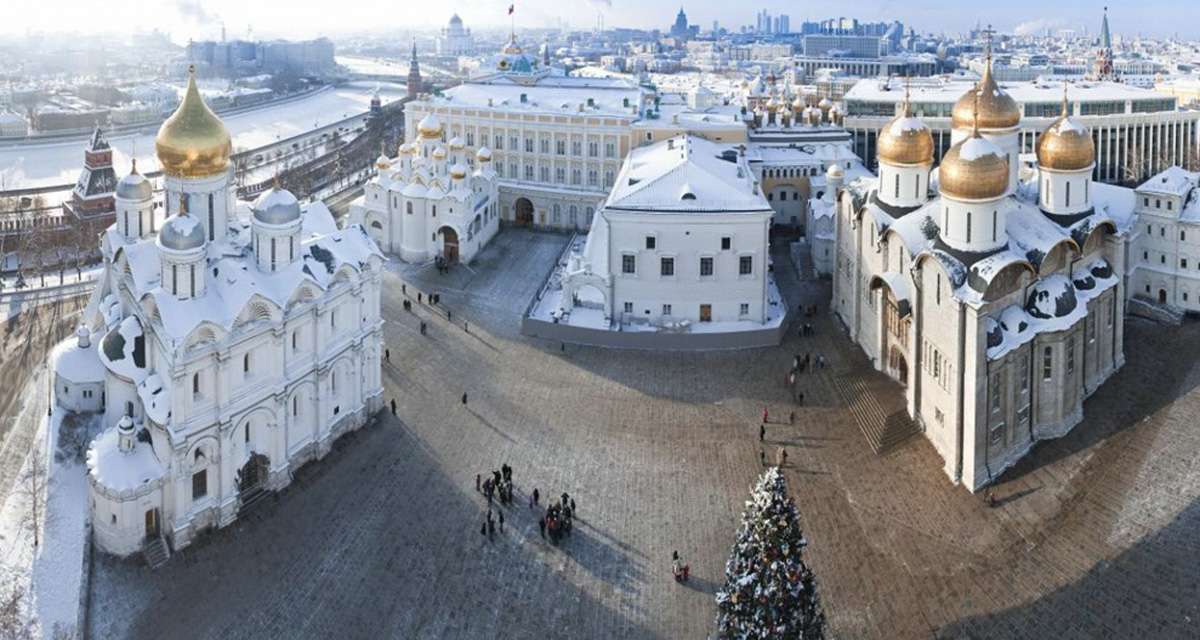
1094 535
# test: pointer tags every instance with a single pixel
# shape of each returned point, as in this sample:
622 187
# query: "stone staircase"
155 551
883 430
252 500
1167 314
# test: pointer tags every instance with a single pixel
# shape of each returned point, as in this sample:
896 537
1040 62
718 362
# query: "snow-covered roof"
156 399
686 174
119 472
947 91
550 94
123 350
1172 181
80 365
233 279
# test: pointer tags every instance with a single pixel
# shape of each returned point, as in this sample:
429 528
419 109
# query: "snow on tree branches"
769 592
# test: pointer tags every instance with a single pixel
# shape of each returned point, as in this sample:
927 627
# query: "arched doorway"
449 244
524 212
1162 296
899 365
252 477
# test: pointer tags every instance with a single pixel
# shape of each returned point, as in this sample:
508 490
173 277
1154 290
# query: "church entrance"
898 366
253 475
524 212
152 523
1162 296
449 244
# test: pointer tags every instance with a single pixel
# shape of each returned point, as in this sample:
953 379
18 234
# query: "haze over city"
599 319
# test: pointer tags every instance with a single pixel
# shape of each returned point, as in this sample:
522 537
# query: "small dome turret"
974 169
1066 145
905 140
181 232
134 186
276 207
484 154
430 127
995 108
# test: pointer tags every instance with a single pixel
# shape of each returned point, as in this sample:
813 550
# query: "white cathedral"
996 301
428 202
222 349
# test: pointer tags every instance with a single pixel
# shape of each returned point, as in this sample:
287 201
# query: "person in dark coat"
762 432
536 495
387 355
572 505
501 522
477 482
464 398
393 406
483 528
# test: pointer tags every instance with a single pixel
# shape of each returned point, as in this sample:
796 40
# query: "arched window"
247 432
195 384
408 208
246 363
295 405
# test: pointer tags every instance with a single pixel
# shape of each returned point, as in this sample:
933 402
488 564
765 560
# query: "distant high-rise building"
680 28
785 25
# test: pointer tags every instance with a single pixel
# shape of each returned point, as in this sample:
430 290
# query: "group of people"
442 264
559 518
499 486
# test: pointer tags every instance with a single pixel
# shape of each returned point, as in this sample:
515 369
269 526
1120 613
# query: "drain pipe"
962 375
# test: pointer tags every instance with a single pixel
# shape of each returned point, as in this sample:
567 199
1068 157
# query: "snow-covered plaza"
1091 534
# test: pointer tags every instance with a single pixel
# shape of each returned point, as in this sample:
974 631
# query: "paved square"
1094 535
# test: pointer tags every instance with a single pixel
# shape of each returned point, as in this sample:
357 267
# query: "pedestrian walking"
572 505
483 528
448 314
762 457
387 355
792 418
762 432
765 415
464 398
501 522
422 327
782 458
393 406
465 327
418 298
800 399
535 495
542 527
477 482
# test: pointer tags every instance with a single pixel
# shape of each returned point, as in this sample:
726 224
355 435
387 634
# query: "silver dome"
276 206
181 232
134 186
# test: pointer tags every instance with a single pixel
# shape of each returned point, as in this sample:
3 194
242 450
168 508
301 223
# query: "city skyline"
191 19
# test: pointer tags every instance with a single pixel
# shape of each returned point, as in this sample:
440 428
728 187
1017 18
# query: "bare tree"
33 488
13 623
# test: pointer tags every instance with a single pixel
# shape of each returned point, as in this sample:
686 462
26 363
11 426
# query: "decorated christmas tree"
769 592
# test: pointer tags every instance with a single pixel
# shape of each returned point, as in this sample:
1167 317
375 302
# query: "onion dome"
996 109
825 104
181 232
836 172
1066 145
798 104
773 104
193 143
905 140
134 186
458 172
974 169
511 47
439 153
484 154
276 207
382 162
430 127
404 148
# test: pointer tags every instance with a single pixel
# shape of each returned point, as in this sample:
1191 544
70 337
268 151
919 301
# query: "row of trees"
33 250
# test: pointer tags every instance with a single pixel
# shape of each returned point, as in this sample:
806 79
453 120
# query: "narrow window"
294 340
994 217
211 224
1068 193
1047 363
246 363
246 431
1070 355
192 279
199 484
968 226
745 265
195 384
272 254
917 186
897 185
174 279
650 240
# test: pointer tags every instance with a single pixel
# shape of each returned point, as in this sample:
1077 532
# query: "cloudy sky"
304 18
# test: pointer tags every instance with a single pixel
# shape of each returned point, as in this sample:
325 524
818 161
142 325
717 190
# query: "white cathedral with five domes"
993 295
221 349
428 203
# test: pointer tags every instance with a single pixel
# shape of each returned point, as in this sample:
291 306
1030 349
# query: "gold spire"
133 165
183 204
1065 106
908 112
193 142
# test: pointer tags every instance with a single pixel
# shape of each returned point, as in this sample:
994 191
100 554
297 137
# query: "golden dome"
193 143
1066 145
458 172
430 127
798 104
997 110
383 163
439 153
905 140
974 169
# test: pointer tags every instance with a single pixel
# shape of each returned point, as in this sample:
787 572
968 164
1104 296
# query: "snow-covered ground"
50 573
60 162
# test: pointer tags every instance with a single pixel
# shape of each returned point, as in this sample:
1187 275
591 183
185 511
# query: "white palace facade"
427 202
997 302
222 348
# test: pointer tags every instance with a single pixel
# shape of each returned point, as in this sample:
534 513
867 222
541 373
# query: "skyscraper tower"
414 74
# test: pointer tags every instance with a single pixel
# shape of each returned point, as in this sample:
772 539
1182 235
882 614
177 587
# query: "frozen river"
54 163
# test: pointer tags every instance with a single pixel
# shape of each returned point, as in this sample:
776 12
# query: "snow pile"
1052 297
769 591
907 126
